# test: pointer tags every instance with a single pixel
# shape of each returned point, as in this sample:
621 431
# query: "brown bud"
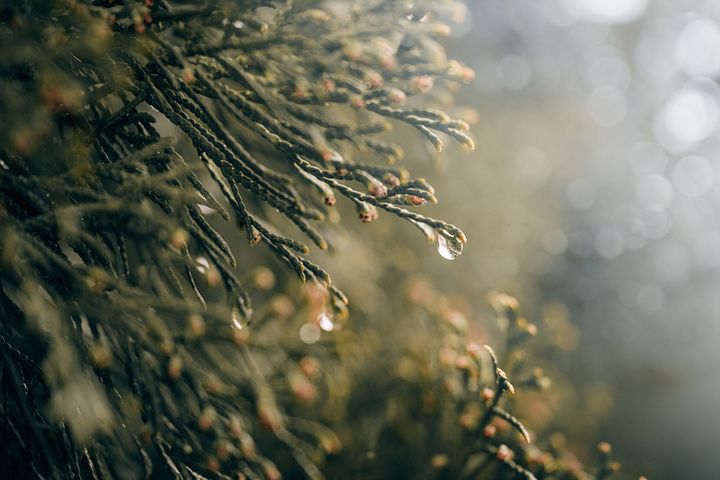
605 448
415 201
270 416
247 446
223 449
101 356
212 463
213 385
469 420
328 84
179 238
271 472
439 461
196 325
331 443
175 366
235 427
241 336
213 277
188 75
207 419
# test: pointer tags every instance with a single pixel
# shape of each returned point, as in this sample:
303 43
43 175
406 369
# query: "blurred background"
594 187
592 196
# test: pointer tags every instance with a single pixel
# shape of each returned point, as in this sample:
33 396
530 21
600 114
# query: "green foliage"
128 129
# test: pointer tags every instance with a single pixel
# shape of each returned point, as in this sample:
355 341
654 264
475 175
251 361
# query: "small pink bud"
391 180
474 350
331 156
303 389
247 446
463 362
388 61
422 84
235 427
328 84
397 96
188 75
504 453
353 51
374 79
467 74
357 103
241 336
271 472
377 188
487 394
213 277
310 367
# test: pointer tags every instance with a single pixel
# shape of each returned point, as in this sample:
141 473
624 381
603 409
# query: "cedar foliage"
131 129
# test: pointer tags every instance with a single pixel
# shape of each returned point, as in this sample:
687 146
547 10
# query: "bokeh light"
599 147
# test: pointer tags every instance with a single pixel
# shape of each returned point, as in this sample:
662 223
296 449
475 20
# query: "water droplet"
429 232
449 248
236 319
202 264
325 322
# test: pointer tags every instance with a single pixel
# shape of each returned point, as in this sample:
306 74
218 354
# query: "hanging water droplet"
325 322
236 319
449 248
429 232
202 264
